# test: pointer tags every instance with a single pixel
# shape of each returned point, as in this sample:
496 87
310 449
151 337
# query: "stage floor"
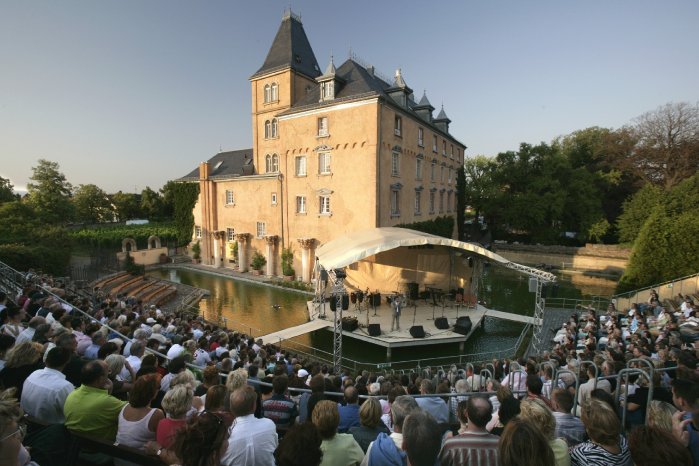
421 313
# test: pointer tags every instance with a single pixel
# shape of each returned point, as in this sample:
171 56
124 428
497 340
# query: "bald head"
479 410
351 395
243 401
34 322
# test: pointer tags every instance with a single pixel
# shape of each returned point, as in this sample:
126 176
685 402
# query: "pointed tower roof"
424 102
290 49
442 116
330 70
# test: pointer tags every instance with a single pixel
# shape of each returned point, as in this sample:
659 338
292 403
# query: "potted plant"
196 252
288 264
258 261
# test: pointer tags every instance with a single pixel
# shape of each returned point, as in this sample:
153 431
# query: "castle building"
334 151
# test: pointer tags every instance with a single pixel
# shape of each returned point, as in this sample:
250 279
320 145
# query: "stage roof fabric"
358 245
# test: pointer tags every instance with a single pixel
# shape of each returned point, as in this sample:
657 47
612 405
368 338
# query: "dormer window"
327 90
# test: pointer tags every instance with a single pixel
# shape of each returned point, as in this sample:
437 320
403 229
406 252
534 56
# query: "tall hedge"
440 226
185 197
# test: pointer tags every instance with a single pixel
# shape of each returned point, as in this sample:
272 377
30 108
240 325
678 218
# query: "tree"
460 202
636 211
50 193
478 182
6 191
667 151
127 206
167 195
151 204
185 197
92 205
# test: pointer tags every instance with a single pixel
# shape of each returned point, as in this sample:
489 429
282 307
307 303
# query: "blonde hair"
115 363
236 379
370 412
539 415
23 354
601 422
9 409
660 415
177 401
326 418
185 378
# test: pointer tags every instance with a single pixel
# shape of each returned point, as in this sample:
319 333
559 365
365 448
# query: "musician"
397 305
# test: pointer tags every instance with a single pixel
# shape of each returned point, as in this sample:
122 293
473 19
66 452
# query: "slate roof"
233 163
290 49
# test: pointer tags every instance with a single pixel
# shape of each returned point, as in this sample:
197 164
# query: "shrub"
258 261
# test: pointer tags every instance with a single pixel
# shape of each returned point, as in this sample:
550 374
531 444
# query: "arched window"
272 163
268 94
268 163
268 129
274 128
274 92
275 163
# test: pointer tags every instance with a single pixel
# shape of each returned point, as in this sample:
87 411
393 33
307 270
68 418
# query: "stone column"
243 241
219 237
307 253
271 241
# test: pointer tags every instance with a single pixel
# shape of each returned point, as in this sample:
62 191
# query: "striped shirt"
470 448
590 454
570 428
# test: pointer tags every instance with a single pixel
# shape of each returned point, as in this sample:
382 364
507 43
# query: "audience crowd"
616 389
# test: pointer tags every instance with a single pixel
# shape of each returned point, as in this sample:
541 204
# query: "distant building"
333 152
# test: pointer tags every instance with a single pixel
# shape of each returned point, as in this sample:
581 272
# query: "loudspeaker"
349 324
376 299
374 330
463 325
323 275
441 323
345 302
413 290
532 285
416 331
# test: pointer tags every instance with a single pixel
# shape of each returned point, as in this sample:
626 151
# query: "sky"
127 94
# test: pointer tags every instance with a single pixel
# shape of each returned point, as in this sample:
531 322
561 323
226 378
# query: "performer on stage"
397 305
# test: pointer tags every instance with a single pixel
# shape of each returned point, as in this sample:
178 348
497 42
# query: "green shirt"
93 411
341 450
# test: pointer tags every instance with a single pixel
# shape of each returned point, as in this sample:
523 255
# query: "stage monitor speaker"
413 290
374 330
323 275
532 285
349 324
345 302
441 323
416 331
463 325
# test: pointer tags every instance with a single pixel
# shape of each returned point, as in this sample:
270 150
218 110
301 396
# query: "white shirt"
174 351
135 362
44 393
201 357
26 335
252 442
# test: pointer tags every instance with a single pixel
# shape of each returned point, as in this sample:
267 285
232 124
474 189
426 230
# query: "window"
323 126
229 198
434 143
324 163
441 174
230 234
395 202
274 128
301 165
324 202
261 229
444 148
274 198
418 202
433 168
395 164
268 129
272 163
452 151
327 90
420 137
450 175
418 169
197 231
449 201
431 202
268 93
300 204
441 202
397 125
274 91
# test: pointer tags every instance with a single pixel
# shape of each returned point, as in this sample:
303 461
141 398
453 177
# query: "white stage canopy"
355 246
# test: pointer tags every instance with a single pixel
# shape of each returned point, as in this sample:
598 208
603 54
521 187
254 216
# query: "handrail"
628 294
626 372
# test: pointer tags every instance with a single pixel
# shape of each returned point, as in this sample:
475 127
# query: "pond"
260 309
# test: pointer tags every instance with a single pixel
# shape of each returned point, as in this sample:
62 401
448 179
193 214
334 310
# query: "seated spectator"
473 445
253 440
587 387
338 449
28 333
13 327
280 408
98 339
432 404
568 426
522 444
6 342
460 387
45 391
90 408
637 402
136 352
660 415
651 446
388 449
606 445
214 403
300 446
211 378
370 424
174 367
22 360
538 414
421 439
118 366
307 401
177 402
12 452
236 380
509 408
349 413
138 422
